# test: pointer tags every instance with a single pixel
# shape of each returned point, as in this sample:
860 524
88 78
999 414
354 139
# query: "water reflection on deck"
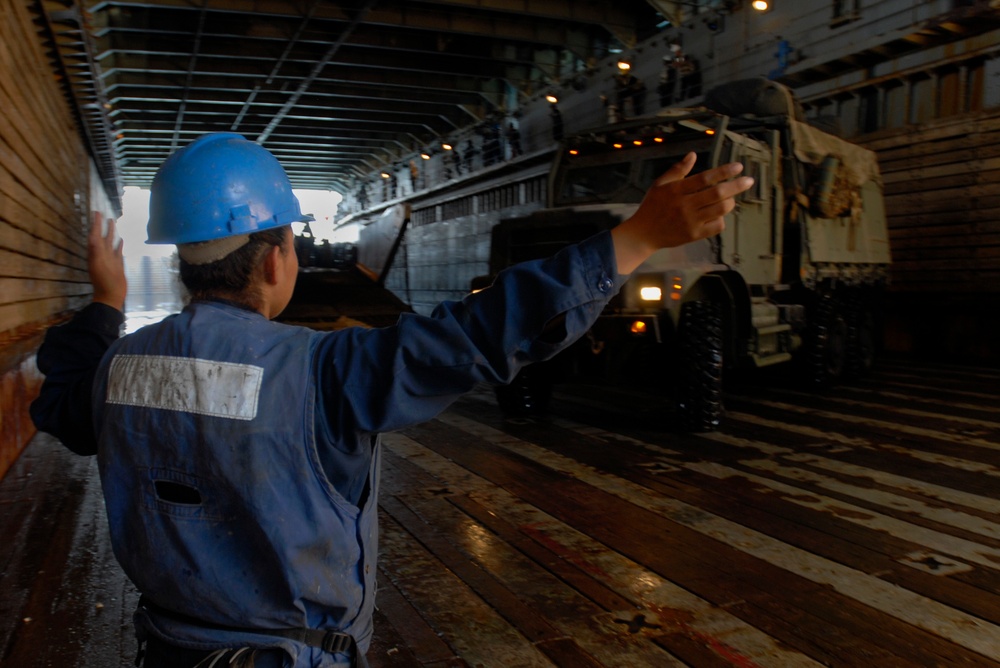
856 528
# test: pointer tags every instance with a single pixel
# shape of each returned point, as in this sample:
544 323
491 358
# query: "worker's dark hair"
237 276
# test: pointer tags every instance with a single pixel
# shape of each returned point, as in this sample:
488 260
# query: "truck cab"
793 278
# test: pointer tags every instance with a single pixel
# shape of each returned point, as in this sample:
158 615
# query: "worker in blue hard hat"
239 457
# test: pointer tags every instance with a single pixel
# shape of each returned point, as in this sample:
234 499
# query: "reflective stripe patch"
221 389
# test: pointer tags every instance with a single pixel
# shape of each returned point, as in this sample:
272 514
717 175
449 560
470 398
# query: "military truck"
795 277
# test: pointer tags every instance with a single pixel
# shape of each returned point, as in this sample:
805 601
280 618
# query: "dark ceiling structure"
332 88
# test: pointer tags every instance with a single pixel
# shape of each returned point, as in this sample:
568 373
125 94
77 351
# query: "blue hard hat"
219 185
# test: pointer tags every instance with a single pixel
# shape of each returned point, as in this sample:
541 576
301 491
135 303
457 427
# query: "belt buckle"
336 642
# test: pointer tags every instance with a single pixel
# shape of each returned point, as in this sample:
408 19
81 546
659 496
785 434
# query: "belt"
156 653
334 642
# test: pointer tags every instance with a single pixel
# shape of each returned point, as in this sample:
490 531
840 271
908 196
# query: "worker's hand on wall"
106 263
678 209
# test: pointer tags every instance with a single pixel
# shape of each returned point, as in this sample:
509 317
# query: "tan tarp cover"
858 164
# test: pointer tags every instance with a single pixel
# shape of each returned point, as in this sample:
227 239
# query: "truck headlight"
651 294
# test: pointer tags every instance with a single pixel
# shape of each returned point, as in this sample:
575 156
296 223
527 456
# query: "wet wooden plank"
614 637
857 528
521 616
929 620
575 576
705 565
473 630
970 448
402 637
531 600
865 549
65 601
572 574
743 501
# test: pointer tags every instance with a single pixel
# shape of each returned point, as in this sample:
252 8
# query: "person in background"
239 457
469 155
513 140
557 123
668 81
414 176
490 131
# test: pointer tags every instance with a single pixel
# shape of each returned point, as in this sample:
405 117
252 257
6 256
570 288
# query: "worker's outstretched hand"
678 209
106 263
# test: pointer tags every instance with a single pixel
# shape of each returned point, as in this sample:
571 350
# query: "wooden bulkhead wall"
47 189
942 187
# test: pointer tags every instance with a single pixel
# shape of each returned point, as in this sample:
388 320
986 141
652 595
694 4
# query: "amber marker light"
637 142
617 145
676 287
658 140
694 125
638 327
573 151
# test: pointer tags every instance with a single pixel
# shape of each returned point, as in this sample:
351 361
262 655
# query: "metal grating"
331 88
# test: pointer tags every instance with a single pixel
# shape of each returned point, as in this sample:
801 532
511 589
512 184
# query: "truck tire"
826 348
861 338
528 394
698 386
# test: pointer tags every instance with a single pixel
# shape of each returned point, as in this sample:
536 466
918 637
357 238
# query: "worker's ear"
271 259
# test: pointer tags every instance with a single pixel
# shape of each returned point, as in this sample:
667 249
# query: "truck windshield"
593 183
654 168
602 181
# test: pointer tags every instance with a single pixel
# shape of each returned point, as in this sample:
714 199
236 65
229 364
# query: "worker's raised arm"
678 209
71 352
106 264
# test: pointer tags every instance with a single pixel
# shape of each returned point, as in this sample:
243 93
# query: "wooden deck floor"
857 528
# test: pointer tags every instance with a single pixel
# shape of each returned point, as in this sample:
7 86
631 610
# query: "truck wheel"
698 386
860 339
826 353
528 394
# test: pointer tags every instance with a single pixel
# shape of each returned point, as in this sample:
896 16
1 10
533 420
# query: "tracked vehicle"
795 277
